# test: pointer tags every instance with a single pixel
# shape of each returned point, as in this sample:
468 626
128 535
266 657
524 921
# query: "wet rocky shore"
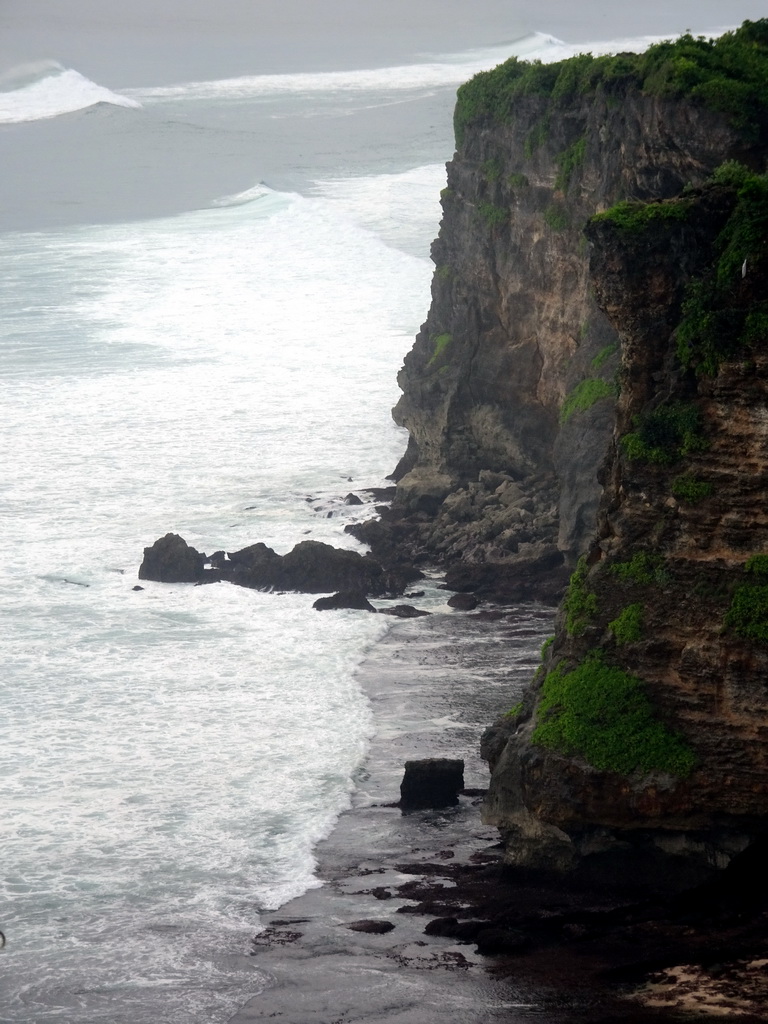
409 900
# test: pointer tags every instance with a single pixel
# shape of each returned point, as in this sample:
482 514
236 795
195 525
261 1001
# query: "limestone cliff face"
591 381
502 480
671 593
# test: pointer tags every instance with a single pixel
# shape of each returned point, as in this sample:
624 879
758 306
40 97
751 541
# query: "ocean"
214 226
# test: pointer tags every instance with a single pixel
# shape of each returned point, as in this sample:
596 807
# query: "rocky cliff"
509 390
588 397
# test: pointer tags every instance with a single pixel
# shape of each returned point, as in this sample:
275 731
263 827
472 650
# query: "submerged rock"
353 599
371 927
404 611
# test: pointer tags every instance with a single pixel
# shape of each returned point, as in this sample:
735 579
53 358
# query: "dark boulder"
371 927
354 599
463 602
432 782
311 567
171 560
257 558
404 611
352 499
315 568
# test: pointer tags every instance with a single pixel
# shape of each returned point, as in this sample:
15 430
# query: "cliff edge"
586 405
509 391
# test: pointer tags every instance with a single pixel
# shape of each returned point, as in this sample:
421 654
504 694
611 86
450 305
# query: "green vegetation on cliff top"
604 715
728 74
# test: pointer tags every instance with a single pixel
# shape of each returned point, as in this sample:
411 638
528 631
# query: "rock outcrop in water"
310 567
602 394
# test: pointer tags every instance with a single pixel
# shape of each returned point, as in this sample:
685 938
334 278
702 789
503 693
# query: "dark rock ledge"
311 567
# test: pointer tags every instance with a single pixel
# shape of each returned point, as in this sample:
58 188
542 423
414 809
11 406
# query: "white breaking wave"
403 209
440 71
252 195
44 89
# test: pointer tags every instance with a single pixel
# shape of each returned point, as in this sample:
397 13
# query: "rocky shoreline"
409 900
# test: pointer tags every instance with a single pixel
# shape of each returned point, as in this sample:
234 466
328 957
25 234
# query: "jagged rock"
310 567
354 599
431 782
404 611
695 798
463 602
371 927
171 560
353 499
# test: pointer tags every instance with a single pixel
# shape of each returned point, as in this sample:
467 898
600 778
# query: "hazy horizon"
145 43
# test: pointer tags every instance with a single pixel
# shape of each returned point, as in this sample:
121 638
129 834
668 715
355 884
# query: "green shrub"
491 169
604 715
665 435
631 218
757 565
628 626
691 490
569 161
493 215
536 137
580 603
514 711
444 272
604 355
584 396
642 568
716 323
441 343
518 180
748 613
557 217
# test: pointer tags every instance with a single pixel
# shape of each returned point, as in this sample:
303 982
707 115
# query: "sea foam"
432 72
31 92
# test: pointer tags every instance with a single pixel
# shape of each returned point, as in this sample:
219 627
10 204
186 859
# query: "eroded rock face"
494 476
675 530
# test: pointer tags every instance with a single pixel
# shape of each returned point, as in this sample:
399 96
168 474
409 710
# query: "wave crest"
45 88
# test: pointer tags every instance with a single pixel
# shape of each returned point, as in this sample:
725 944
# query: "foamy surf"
45 89
445 70
442 70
